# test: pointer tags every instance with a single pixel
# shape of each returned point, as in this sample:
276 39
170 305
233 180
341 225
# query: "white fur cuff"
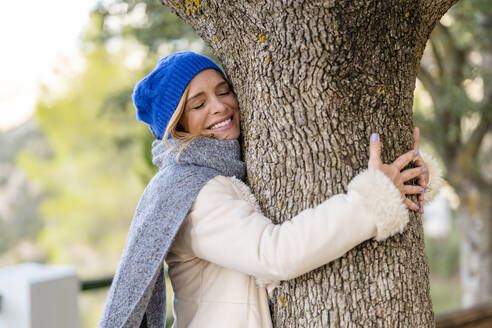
382 202
436 180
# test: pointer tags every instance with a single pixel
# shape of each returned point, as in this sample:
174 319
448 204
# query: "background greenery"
99 157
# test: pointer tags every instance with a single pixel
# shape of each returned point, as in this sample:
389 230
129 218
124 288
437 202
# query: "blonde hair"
173 127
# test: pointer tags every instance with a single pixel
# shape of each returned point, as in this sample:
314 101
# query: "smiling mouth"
220 124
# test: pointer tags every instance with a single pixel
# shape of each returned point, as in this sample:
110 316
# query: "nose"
218 106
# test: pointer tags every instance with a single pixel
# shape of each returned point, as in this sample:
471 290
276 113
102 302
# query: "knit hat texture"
157 95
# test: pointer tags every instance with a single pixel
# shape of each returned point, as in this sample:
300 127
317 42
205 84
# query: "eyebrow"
200 93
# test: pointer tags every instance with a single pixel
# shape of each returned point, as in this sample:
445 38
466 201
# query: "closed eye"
199 106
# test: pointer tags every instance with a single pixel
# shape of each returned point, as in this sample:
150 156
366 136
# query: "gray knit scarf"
137 296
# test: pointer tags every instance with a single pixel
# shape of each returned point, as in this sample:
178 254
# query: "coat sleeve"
436 180
226 229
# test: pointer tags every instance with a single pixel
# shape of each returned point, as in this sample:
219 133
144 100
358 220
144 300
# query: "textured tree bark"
476 246
314 79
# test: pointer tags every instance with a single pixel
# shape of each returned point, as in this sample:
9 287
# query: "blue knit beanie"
157 95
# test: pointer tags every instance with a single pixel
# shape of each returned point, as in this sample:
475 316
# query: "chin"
233 136
226 135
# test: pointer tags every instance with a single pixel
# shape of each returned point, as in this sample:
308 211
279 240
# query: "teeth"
221 124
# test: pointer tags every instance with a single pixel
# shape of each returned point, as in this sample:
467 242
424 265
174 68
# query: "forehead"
208 78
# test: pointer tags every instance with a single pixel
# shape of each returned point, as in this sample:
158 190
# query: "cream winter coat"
227 254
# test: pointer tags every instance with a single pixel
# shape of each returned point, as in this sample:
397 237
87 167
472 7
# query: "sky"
35 36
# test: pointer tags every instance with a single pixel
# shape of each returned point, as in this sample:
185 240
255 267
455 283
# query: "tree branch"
472 146
449 58
457 55
437 55
430 84
434 9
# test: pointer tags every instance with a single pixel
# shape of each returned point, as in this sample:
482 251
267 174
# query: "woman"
197 214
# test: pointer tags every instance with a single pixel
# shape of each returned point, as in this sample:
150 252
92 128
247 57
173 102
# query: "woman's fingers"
416 138
404 159
410 174
421 182
394 171
418 162
412 190
375 151
399 177
411 205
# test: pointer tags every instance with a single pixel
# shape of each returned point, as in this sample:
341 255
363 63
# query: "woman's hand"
423 179
393 171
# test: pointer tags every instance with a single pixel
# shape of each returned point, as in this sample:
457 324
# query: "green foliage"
148 22
444 261
471 18
101 158
90 180
455 73
145 26
444 254
445 294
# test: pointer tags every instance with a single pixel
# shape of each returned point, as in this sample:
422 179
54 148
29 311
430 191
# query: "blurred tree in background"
92 181
456 71
147 22
90 178
101 155
19 197
101 159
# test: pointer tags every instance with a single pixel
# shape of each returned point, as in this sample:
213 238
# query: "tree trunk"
476 194
475 220
467 156
476 245
314 79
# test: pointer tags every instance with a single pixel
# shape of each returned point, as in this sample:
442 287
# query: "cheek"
234 106
234 102
197 121
236 111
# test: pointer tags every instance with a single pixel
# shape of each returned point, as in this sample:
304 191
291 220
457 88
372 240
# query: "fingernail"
421 189
416 152
374 137
424 169
418 208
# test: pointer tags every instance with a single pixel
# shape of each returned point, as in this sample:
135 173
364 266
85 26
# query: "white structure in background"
39 296
437 217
